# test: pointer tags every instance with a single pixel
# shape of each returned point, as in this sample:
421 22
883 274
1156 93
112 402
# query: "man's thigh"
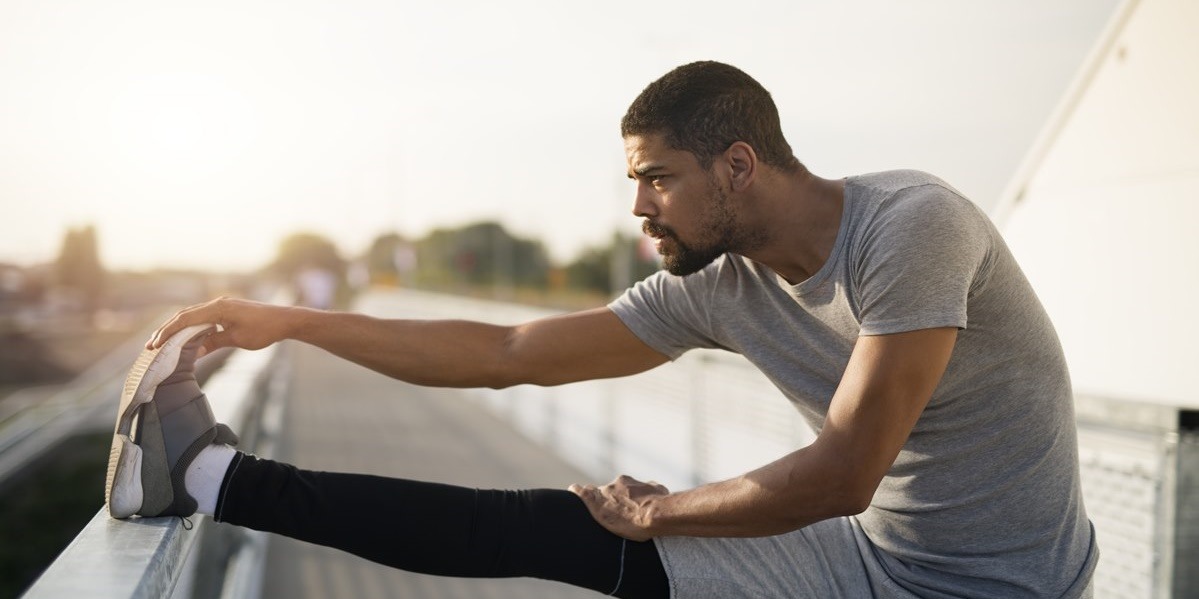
824 560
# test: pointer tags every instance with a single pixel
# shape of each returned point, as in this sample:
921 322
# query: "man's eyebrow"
646 171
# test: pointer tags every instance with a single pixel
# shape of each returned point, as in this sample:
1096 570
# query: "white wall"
1104 226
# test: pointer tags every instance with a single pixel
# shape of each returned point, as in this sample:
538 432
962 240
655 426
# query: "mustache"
654 229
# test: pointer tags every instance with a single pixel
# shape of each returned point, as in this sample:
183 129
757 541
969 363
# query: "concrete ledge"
147 557
141 557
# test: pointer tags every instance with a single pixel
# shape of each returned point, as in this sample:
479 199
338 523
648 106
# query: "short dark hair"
704 107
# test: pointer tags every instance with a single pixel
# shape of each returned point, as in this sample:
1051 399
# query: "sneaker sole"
123 491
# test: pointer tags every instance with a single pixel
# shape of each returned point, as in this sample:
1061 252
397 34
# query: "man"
886 307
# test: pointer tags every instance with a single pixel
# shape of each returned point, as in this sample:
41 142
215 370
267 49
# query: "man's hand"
244 324
623 505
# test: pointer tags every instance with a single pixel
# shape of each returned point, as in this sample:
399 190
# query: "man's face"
684 207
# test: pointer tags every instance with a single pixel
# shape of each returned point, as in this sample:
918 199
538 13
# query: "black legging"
440 529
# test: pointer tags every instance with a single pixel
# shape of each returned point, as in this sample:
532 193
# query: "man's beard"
681 259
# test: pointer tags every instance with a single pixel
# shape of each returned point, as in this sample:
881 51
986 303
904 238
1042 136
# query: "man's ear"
743 164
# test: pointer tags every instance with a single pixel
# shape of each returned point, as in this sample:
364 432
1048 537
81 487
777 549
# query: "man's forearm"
780 497
440 353
553 350
799 489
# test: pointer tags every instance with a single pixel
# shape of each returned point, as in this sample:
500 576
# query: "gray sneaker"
163 421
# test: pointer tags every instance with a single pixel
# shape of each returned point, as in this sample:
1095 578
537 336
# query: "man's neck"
801 215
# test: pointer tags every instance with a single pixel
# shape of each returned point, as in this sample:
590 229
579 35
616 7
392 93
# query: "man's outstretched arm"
444 353
886 386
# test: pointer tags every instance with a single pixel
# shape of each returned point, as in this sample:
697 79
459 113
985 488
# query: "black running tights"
441 529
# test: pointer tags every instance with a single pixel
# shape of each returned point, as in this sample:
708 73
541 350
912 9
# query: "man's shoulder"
890 183
908 196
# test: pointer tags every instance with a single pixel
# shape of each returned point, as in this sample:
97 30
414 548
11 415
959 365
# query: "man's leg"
170 458
441 529
822 561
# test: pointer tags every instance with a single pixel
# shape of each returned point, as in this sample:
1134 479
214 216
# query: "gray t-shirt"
984 496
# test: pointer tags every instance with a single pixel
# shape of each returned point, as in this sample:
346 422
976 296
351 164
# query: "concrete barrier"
158 557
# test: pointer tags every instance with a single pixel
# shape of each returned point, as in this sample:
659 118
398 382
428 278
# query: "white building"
1101 217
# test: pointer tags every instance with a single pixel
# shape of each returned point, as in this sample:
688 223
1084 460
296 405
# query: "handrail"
147 557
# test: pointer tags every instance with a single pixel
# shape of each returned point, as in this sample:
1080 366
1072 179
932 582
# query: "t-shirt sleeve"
669 313
918 260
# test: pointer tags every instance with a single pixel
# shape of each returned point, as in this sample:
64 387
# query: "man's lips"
661 235
655 230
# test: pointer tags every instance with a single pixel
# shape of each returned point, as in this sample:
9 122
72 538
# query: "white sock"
204 476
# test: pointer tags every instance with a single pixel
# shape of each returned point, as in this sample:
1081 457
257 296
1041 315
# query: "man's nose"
645 201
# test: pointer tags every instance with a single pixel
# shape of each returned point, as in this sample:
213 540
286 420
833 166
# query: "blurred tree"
390 259
311 263
78 268
611 268
482 254
306 250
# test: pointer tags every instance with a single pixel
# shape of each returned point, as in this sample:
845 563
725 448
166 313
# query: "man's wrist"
297 323
654 517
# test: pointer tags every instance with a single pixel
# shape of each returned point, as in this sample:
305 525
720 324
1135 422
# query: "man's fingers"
197 314
583 491
218 340
613 510
160 336
172 326
156 338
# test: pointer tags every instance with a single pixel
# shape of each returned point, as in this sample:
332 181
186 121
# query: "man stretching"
886 307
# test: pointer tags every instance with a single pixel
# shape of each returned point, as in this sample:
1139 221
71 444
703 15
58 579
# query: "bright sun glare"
181 125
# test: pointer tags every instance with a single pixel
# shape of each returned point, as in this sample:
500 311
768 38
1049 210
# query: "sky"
197 135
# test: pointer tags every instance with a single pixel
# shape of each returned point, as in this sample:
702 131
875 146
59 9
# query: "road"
341 417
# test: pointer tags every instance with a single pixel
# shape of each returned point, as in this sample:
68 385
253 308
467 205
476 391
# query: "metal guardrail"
158 557
1140 476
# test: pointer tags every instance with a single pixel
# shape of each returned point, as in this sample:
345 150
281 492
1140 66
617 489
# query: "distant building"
12 282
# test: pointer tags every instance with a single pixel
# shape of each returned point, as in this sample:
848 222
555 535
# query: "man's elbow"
511 370
848 481
836 501
847 497
506 368
833 506
844 502
506 373
855 503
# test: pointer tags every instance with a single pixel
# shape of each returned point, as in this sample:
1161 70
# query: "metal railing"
1140 477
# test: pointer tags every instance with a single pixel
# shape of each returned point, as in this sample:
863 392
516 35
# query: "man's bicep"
579 346
886 386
